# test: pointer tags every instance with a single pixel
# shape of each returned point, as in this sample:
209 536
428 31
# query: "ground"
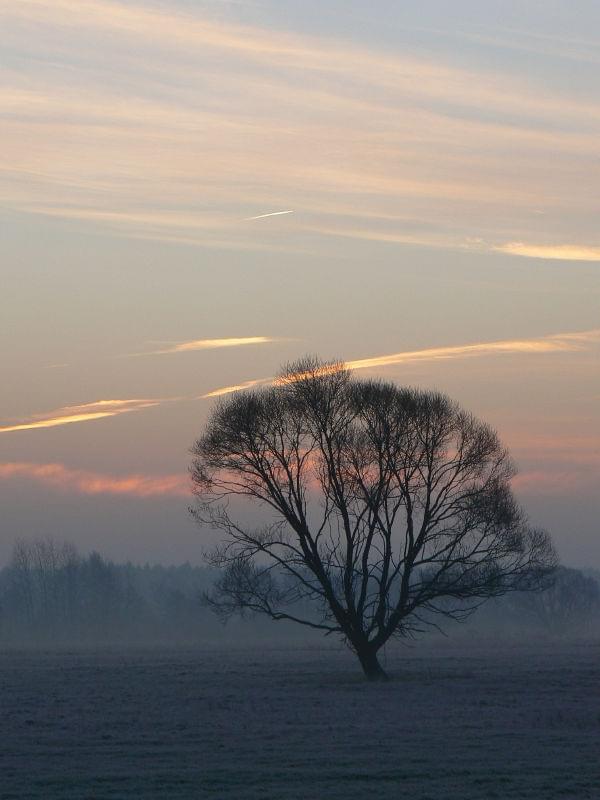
301 724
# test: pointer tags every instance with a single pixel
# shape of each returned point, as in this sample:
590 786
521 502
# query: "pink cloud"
60 477
556 482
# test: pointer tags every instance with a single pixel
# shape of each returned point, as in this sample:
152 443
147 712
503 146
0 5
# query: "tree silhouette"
389 508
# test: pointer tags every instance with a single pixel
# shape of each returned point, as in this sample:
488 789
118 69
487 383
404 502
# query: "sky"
194 193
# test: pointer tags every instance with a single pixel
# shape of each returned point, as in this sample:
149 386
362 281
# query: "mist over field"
51 597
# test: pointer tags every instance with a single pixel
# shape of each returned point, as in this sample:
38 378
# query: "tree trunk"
370 664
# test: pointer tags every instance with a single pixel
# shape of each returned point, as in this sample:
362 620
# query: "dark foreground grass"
301 724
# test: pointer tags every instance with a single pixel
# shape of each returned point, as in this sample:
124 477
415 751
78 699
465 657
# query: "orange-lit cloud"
86 412
560 252
553 343
59 476
238 387
208 344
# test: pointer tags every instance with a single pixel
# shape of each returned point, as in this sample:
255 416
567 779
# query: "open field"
301 723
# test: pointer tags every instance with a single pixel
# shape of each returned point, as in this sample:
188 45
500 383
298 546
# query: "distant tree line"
569 606
51 595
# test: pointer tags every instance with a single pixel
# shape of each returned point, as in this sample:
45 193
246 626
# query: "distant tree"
21 584
388 508
103 597
570 603
42 586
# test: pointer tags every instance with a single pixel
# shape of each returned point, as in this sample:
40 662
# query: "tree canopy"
388 508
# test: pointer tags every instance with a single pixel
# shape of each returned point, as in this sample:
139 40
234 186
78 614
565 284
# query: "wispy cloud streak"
86 412
58 476
559 252
238 387
553 343
475 141
207 344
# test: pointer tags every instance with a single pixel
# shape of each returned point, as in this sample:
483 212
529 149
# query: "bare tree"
22 579
388 508
42 589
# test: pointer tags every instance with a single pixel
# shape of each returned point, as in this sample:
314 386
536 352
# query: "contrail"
272 214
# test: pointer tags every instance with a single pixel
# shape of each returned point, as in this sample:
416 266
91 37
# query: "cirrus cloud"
86 412
553 343
558 252
142 152
207 344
